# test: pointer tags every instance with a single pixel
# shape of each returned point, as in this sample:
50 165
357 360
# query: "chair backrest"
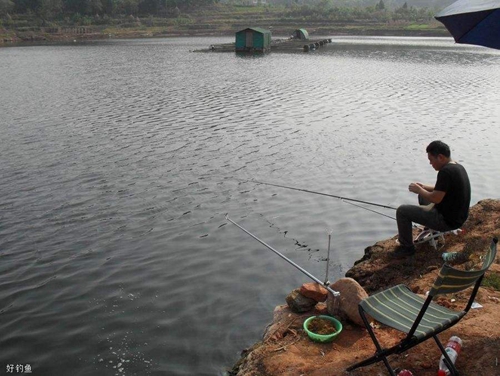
452 280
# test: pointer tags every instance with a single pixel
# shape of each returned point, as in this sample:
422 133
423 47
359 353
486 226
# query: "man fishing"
443 207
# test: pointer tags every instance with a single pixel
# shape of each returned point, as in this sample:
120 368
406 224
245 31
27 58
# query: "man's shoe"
402 252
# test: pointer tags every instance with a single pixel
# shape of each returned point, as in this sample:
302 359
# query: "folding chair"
433 237
399 308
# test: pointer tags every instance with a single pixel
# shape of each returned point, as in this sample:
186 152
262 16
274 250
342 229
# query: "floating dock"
283 45
258 40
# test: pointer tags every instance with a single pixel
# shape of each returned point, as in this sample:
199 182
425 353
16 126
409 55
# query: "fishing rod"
322 194
347 200
328 259
335 293
376 212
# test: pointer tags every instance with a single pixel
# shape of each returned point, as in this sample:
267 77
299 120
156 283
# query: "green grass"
418 27
492 280
259 9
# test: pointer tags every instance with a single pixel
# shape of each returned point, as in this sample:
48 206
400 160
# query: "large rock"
298 302
345 306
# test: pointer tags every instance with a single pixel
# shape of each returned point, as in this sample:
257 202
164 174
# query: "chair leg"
434 243
380 354
451 367
374 359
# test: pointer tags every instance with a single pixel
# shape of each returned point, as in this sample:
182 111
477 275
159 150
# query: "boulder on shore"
314 291
345 305
298 302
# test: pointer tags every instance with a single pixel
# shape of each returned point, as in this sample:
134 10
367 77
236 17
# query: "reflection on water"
120 160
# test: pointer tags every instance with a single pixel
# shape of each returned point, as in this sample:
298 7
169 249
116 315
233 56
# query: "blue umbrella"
473 22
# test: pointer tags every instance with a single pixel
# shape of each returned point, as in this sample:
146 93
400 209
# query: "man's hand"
416 188
427 192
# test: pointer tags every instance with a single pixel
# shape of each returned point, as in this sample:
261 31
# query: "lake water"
121 158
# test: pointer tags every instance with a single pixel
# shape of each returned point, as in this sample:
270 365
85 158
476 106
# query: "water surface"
120 160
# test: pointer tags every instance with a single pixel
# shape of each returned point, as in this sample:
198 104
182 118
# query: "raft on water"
284 45
258 40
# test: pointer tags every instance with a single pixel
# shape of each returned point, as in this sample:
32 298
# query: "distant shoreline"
210 19
39 34
41 37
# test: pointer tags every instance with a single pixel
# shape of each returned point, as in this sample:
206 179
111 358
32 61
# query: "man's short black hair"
438 147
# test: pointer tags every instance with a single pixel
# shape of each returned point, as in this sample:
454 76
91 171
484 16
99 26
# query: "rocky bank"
285 348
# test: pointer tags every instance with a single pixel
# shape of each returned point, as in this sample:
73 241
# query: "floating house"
253 39
301 34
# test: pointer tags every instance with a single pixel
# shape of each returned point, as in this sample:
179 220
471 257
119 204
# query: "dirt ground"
288 350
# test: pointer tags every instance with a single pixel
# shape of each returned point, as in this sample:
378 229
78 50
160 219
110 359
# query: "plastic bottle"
453 348
455 256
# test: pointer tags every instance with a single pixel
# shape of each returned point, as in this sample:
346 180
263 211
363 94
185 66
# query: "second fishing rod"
348 200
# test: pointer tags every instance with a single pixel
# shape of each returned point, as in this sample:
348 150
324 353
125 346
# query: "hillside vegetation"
30 20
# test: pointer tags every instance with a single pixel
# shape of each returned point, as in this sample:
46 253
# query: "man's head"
439 154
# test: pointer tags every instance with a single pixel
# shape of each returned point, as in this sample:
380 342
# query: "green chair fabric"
398 308
420 318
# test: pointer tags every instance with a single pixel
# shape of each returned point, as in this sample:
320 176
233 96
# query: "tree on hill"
47 9
6 6
93 7
380 5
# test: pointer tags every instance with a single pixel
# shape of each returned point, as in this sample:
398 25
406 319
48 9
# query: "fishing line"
370 210
376 212
335 293
347 200
323 194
